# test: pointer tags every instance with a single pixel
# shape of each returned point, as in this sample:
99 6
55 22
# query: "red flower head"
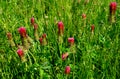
92 28
84 16
71 40
113 6
64 56
60 27
9 35
32 20
44 36
20 53
67 70
40 39
35 26
22 32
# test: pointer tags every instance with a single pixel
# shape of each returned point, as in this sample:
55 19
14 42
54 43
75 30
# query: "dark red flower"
32 20
44 35
71 40
60 28
113 6
20 53
41 39
22 32
64 56
67 70
92 28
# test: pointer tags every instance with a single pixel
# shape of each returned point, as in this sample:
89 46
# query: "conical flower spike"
24 37
60 28
21 55
113 6
32 20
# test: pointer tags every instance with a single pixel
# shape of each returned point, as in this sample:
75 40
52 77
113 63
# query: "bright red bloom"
64 56
44 35
60 28
20 53
92 28
84 16
41 39
32 20
22 32
9 35
35 26
71 40
67 70
113 6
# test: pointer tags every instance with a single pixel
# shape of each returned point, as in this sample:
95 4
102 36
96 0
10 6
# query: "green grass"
96 57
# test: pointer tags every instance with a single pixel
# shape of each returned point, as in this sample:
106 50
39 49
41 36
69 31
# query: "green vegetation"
96 54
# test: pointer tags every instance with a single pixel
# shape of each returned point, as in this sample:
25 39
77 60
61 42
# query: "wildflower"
20 53
44 36
113 6
32 20
92 28
60 28
22 31
25 38
40 39
67 70
71 40
64 56
43 39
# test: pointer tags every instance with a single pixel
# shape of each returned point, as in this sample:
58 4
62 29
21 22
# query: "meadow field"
59 39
